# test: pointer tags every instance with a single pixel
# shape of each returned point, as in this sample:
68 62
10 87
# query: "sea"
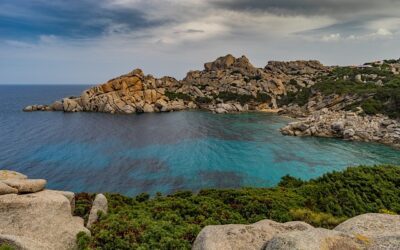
162 152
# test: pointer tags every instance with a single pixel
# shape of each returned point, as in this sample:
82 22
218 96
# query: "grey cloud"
189 31
311 7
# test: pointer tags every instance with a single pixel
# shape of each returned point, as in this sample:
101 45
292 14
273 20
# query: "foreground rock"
249 237
369 231
33 218
347 125
41 220
100 205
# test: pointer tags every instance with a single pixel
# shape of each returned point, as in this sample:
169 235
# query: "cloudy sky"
90 41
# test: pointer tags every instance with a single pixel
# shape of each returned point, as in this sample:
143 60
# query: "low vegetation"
176 96
173 221
376 99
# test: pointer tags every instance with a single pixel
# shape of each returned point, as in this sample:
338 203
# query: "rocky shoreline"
347 125
299 89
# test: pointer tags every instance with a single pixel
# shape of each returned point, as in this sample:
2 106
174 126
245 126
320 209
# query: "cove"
191 150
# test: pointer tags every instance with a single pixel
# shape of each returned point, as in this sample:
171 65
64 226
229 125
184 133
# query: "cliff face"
227 84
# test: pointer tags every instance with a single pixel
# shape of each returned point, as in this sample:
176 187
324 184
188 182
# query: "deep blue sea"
165 152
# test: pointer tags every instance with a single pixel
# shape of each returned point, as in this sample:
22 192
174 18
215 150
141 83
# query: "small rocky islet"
360 103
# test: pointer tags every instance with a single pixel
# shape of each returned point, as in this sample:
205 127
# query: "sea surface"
166 152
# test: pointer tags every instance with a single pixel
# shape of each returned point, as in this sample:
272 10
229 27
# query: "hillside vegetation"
173 221
376 86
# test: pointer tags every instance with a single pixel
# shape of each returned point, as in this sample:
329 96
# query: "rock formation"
227 84
347 125
100 205
368 231
32 218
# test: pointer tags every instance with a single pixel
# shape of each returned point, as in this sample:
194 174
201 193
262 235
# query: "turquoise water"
162 152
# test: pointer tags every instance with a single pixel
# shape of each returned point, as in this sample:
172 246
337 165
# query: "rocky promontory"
319 95
227 84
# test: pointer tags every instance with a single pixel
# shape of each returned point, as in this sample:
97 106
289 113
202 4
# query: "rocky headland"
365 98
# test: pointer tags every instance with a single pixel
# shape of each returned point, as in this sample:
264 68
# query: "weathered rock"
57 106
25 185
314 239
100 204
69 195
39 221
346 125
5 189
379 231
247 237
9 174
71 105
28 108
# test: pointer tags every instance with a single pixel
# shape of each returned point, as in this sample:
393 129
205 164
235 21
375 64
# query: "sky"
91 41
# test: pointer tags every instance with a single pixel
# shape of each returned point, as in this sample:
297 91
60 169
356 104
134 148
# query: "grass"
173 221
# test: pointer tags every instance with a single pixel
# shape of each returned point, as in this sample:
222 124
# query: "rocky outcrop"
32 218
347 125
230 81
250 237
100 205
369 231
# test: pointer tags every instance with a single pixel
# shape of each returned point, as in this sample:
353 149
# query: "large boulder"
381 231
25 185
41 220
100 204
314 239
5 189
9 174
249 237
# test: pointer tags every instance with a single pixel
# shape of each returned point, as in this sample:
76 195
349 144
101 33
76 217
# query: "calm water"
161 152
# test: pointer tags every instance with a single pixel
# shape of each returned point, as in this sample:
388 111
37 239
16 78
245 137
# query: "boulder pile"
34 218
347 125
367 231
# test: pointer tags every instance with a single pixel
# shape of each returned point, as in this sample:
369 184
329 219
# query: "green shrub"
372 106
317 219
5 246
173 221
203 100
83 241
83 204
175 96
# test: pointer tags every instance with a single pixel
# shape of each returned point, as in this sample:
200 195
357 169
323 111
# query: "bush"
5 246
176 96
203 100
82 240
173 221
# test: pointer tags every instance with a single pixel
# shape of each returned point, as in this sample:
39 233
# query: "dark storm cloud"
73 18
309 7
